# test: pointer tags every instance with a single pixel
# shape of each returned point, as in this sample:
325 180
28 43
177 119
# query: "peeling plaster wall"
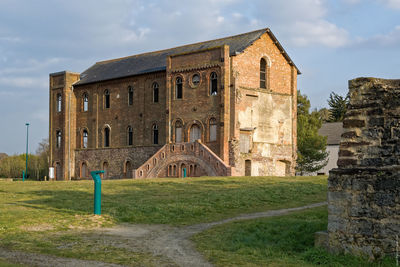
266 114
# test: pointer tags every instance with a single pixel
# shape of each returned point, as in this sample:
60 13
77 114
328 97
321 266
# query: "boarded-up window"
213 129
244 143
178 131
195 133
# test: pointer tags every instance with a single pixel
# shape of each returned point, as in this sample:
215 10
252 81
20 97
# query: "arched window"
85 102
195 133
85 139
130 95
178 131
263 72
106 99
213 84
155 134
213 129
130 136
178 88
106 137
58 139
59 102
155 92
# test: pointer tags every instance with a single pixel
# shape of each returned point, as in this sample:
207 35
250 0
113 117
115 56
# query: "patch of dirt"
171 245
37 228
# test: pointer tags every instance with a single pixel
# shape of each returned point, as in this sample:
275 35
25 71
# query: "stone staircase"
183 159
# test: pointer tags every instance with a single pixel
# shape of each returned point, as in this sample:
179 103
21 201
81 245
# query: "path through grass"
51 217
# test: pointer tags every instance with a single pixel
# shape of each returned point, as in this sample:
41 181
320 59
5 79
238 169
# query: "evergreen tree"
311 147
338 106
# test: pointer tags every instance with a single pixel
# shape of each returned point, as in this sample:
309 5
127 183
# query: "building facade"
221 107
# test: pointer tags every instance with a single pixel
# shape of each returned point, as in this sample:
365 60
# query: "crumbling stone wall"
364 191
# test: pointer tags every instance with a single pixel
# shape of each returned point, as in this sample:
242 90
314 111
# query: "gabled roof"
333 130
156 61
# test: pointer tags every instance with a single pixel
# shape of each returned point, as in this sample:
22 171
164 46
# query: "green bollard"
23 176
97 191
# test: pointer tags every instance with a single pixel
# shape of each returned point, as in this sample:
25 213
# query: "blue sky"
331 41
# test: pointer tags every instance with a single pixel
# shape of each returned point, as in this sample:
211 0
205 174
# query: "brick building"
220 107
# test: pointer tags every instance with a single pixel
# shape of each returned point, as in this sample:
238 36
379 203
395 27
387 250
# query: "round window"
195 79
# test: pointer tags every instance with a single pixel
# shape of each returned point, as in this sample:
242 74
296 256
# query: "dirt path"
171 243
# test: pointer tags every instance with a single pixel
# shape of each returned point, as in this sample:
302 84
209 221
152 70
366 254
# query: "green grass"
4 263
277 241
44 216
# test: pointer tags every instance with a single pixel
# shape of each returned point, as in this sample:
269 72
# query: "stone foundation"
364 191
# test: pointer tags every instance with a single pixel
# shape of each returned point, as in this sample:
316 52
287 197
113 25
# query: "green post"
184 172
26 155
97 191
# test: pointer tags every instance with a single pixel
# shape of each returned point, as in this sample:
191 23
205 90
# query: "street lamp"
26 155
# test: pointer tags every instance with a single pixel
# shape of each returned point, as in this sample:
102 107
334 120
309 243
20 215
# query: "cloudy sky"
331 41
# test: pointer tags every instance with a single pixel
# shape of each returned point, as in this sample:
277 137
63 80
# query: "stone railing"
207 162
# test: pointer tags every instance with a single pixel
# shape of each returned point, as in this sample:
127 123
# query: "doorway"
247 167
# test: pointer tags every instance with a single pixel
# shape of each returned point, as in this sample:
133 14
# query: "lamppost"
26 155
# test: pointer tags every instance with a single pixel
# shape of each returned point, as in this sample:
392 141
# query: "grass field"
280 241
55 217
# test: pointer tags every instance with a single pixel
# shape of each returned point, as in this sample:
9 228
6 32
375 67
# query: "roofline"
283 52
116 78
63 72
163 50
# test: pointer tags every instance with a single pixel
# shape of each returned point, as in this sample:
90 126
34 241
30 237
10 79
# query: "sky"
330 41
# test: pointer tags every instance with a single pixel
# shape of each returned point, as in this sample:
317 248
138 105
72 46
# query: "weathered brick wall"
364 191
116 159
64 121
197 106
268 113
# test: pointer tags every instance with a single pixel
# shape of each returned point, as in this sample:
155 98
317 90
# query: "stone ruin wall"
364 191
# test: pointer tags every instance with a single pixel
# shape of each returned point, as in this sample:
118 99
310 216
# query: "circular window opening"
195 79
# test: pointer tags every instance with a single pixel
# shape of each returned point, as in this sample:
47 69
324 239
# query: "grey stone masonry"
364 191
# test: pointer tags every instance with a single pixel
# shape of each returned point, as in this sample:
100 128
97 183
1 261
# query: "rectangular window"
178 137
244 143
213 132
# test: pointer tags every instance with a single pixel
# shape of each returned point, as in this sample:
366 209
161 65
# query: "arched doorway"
58 171
84 170
184 171
128 169
195 132
247 167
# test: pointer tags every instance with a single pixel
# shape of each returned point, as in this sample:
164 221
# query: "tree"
324 114
311 147
338 106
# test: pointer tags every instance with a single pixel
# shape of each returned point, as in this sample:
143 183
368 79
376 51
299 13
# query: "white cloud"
319 32
388 40
24 82
395 4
